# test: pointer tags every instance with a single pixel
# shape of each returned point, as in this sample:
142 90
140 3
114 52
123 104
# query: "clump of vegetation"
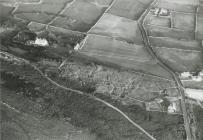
84 112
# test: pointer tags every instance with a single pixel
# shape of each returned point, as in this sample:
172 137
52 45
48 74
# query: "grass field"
188 6
47 6
129 8
118 28
80 16
183 21
37 17
180 60
107 50
34 26
175 43
158 21
199 30
42 13
13 1
108 47
168 32
5 11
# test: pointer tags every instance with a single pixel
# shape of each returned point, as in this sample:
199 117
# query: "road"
189 133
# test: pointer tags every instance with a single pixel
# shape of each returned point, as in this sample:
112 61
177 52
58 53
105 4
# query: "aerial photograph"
101 69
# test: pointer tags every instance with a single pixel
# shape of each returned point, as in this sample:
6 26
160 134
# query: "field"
129 8
175 43
80 16
71 24
188 6
168 32
121 53
180 60
193 84
5 11
158 21
110 47
47 6
37 17
183 21
34 26
199 30
118 28
14 1
41 12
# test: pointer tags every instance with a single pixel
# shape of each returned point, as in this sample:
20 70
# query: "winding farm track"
78 92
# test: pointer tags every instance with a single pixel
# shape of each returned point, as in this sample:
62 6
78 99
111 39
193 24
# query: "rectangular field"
35 26
113 52
22 1
105 46
180 60
168 32
199 28
119 28
188 6
41 18
47 6
131 9
183 21
5 11
175 43
158 21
